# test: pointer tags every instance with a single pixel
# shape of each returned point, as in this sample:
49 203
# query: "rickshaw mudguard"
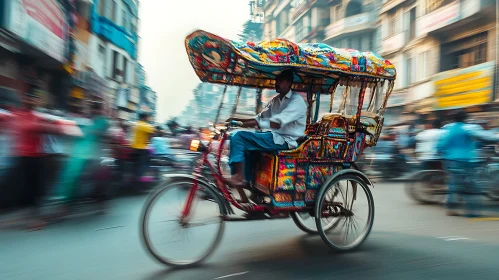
205 183
361 176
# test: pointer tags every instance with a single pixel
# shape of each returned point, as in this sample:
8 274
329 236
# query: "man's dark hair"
460 116
142 116
96 105
436 123
286 75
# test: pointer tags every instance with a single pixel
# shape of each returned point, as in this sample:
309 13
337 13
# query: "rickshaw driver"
285 117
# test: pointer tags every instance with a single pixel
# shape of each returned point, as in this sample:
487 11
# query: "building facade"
34 41
113 51
444 52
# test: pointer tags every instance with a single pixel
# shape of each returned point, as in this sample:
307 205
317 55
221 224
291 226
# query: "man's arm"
295 110
253 122
478 132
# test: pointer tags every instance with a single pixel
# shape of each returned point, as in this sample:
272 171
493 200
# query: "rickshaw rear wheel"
299 220
343 200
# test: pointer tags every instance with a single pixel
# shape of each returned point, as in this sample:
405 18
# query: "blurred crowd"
52 157
459 144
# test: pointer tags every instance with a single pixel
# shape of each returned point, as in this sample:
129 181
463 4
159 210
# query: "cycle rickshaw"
316 182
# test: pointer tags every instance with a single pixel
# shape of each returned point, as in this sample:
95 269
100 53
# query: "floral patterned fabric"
220 60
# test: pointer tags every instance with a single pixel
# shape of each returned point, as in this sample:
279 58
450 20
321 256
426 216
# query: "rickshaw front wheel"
344 212
177 241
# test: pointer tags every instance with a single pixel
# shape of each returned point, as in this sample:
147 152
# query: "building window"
102 5
464 53
422 66
337 12
108 6
412 24
408 76
124 18
124 73
114 10
432 5
353 8
116 71
393 24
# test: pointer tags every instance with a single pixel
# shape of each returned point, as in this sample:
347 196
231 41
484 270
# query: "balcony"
302 33
350 24
437 19
393 43
302 8
280 7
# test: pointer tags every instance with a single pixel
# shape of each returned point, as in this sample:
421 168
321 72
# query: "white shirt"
426 143
291 114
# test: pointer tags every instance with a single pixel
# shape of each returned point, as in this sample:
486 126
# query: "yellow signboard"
77 92
466 87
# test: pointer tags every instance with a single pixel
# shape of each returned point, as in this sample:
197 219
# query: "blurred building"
87 85
257 11
444 51
34 42
207 104
112 48
147 96
339 23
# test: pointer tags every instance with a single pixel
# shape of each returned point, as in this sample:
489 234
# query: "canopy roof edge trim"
219 60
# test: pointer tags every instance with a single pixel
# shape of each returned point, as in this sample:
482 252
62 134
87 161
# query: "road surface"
408 241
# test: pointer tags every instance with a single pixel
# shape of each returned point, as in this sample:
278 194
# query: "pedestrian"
458 147
142 133
426 145
120 146
85 150
161 146
30 128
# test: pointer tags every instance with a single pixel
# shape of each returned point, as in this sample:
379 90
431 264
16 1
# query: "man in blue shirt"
458 148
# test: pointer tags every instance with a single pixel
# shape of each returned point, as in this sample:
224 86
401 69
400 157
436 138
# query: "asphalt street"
408 241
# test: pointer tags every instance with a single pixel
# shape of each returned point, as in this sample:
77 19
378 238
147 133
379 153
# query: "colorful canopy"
219 60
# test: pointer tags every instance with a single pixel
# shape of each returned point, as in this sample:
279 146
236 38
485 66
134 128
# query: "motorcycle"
384 161
430 186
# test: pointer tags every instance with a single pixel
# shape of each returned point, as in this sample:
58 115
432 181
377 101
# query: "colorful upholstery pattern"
311 149
356 148
219 60
286 174
334 149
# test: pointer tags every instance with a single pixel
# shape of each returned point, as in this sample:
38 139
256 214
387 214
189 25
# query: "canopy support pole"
333 91
317 105
345 96
237 101
220 107
258 100
361 103
310 102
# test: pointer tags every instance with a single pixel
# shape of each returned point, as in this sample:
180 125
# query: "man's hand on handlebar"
246 123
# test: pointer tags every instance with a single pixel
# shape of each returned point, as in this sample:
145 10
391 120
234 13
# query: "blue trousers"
462 181
244 143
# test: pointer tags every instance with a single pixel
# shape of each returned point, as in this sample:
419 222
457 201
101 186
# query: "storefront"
33 41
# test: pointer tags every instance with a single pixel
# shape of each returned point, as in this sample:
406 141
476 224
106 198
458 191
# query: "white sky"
164 24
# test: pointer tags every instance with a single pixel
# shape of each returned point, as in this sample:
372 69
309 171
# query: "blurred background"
79 78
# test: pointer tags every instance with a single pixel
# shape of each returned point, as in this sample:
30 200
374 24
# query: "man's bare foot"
236 182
